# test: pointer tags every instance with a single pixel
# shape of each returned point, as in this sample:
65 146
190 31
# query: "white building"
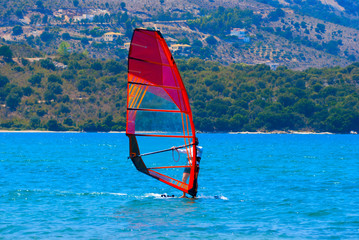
180 48
127 45
110 36
83 17
241 33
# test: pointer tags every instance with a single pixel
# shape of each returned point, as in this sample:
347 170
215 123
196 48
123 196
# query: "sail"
159 115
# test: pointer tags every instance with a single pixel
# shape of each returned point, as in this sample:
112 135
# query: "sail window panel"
169 163
150 97
159 123
160 161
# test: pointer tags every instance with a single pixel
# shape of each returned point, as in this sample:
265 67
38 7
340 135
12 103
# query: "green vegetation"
221 21
90 95
249 98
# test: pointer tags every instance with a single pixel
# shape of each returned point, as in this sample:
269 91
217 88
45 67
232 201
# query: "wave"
221 197
20 192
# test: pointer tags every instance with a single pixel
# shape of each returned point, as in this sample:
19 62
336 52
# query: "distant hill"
297 34
343 12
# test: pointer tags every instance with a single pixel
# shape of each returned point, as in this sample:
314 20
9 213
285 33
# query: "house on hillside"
111 36
83 17
79 14
241 33
273 66
181 49
126 45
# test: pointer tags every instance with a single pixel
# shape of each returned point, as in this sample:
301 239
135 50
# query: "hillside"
279 33
76 92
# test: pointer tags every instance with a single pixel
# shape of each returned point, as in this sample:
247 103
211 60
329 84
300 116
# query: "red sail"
159 115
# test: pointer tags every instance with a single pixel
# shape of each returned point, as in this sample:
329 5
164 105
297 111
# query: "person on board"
187 170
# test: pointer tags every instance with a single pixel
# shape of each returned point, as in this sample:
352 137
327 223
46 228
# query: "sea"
251 186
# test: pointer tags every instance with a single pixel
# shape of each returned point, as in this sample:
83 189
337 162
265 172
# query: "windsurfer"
187 170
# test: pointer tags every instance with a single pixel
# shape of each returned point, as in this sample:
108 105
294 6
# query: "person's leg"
184 179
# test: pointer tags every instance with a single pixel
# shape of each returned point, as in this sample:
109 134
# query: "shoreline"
123 132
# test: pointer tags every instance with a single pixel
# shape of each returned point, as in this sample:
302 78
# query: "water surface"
82 186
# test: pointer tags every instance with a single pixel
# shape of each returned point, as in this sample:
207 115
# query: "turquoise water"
82 186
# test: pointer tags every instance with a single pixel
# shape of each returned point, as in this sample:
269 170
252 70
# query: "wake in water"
165 196
26 193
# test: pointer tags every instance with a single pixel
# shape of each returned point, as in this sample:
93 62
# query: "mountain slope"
298 34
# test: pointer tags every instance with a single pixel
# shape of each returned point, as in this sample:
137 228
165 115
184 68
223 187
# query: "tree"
14 98
275 15
114 67
197 43
76 3
45 19
54 87
89 126
63 109
332 47
211 40
17 30
217 107
287 99
48 64
320 28
35 122
66 36
236 122
64 49
54 79
35 79
6 52
303 25
305 106
83 84
46 36
39 4
27 91
109 121
123 5
19 14
84 41
218 87
3 81
49 95
96 66
342 121
69 122
53 125
184 40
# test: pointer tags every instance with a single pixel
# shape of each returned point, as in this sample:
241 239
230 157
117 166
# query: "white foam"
213 197
155 195
118 194
158 196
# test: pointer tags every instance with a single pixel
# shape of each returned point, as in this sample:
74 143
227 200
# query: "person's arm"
182 150
199 151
